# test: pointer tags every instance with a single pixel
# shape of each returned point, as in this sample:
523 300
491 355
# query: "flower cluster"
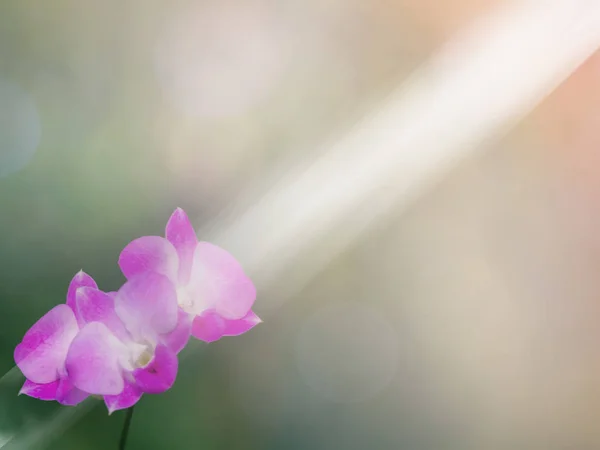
120 345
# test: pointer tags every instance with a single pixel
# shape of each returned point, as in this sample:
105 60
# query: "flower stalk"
125 430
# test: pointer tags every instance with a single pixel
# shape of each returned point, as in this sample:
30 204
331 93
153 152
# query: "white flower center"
191 298
185 300
145 358
140 355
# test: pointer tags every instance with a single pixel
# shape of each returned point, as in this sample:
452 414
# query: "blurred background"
470 321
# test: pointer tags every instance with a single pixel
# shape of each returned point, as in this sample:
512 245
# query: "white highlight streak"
478 85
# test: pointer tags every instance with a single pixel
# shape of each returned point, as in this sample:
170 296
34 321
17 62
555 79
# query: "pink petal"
79 280
61 390
181 234
41 354
129 397
219 282
149 254
179 337
94 305
41 391
208 327
159 375
68 394
147 305
94 360
240 326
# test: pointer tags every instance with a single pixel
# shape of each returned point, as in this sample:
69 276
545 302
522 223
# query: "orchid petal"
126 399
61 390
177 339
181 234
45 391
68 394
94 305
208 327
94 361
159 375
79 280
218 281
41 354
149 253
240 326
147 305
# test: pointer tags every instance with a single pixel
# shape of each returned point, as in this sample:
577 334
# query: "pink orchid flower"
42 353
211 285
118 345
130 340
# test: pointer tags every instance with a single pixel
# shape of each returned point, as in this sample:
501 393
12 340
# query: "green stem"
125 431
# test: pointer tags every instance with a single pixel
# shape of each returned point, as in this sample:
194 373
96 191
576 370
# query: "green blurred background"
468 322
